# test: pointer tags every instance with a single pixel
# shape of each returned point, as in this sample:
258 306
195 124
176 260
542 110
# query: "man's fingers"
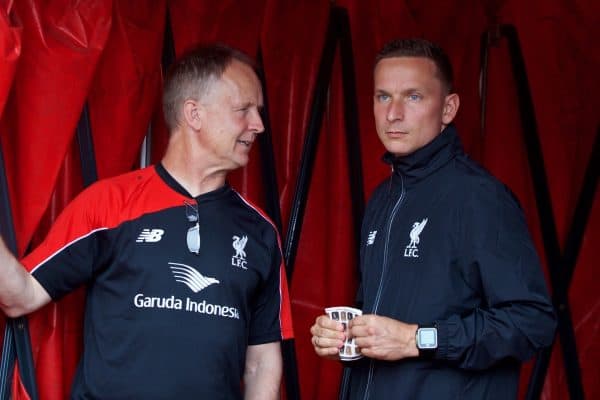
325 342
326 322
358 331
364 323
328 336
365 319
323 349
327 328
332 353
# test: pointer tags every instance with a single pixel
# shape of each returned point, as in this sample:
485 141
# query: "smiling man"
451 289
186 292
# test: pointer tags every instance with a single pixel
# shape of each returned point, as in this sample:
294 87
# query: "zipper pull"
391 178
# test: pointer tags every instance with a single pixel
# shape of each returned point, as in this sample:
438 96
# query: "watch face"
427 338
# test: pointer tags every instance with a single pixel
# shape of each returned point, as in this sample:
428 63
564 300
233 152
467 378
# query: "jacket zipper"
383 270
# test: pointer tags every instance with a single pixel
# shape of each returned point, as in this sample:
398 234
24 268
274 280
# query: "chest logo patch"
150 236
412 250
371 238
239 258
190 277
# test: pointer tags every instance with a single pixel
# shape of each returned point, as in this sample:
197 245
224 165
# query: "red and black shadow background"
80 90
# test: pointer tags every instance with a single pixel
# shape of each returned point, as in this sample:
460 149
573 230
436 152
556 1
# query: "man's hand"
20 293
384 338
328 337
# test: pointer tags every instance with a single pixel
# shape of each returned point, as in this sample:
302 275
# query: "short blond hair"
417 47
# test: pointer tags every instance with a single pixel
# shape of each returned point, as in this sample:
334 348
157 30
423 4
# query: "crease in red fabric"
126 85
61 47
10 51
52 79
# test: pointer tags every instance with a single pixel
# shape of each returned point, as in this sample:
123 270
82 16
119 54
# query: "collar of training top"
428 158
176 186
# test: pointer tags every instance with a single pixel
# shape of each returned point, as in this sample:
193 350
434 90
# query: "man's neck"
189 167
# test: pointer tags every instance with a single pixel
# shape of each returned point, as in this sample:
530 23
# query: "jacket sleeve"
515 318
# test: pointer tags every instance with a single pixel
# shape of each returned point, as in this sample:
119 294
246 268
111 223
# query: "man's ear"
451 104
192 114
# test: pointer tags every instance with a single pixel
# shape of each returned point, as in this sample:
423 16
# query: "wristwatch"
426 339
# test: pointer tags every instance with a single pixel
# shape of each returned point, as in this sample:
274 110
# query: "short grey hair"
191 76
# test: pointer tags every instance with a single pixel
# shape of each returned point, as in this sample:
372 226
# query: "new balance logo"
191 277
411 250
371 238
150 236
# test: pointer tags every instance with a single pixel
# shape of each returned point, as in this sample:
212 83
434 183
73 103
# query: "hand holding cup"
349 351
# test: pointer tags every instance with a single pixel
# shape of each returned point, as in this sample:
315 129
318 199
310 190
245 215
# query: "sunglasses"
193 234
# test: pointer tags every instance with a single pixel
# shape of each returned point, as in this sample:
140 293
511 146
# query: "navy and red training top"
161 321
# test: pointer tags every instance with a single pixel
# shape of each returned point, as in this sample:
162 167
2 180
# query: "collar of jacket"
428 158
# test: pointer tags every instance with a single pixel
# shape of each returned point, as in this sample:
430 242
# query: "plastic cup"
344 314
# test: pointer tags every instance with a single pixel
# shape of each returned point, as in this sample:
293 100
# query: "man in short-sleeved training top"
186 295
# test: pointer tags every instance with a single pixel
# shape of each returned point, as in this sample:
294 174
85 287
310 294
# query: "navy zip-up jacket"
444 243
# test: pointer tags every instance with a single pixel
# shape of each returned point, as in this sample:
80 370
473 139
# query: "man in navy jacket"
451 289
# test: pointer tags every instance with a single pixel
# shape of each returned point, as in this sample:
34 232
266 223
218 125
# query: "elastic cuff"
442 332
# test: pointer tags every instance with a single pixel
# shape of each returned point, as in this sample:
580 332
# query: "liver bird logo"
239 243
191 277
415 232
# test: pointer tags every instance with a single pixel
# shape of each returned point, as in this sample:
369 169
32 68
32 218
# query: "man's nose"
395 111
256 122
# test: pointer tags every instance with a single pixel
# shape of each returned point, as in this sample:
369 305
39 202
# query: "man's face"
231 116
408 104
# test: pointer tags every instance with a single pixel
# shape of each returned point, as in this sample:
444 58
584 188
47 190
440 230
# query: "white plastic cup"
343 314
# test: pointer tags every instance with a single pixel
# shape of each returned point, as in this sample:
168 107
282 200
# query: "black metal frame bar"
87 155
268 166
168 50
7 361
352 124
309 148
338 32
561 266
273 209
16 344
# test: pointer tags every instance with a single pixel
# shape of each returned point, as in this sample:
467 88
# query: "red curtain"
10 50
555 41
62 41
126 84
108 53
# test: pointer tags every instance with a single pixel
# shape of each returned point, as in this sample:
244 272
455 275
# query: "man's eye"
414 97
383 97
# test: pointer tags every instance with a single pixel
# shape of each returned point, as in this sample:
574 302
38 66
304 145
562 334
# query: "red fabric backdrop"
10 50
56 55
